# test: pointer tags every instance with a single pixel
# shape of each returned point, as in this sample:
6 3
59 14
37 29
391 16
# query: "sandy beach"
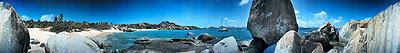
42 36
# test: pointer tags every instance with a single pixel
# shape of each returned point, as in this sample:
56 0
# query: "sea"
125 40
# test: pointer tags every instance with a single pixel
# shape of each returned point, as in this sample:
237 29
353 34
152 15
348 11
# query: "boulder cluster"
274 22
378 35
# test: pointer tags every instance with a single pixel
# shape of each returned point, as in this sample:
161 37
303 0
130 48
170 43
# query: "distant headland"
60 25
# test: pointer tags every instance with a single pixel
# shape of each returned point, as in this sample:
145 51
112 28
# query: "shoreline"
38 34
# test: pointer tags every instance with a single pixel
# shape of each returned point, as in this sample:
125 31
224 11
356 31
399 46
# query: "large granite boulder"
383 31
325 35
379 35
291 42
354 36
14 36
69 43
268 21
226 45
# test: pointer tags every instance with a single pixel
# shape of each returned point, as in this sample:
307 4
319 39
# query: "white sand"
37 33
42 36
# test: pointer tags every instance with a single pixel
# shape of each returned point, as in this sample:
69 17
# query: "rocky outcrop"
383 33
205 37
14 36
68 43
325 34
268 21
354 36
226 45
379 35
162 46
291 42
164 25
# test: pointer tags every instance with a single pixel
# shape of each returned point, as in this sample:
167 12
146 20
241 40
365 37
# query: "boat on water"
223 29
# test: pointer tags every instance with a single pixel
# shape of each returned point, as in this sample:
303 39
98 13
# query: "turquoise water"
125 39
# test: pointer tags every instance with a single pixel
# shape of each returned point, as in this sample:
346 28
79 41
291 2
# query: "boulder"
333 51
69 43
325 34
189 33
383 31
205 37
268 21
270 49
42 45
354 36
14 36
291 42
350 29
226 45
307 46
35 41
206 51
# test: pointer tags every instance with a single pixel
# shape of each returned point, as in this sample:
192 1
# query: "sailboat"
223 29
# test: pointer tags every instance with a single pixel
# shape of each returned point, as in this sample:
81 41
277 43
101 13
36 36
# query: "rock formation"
14 36
226 45
383 33
68 43
268 21
379 35
325 34
205 37
353 35
291 42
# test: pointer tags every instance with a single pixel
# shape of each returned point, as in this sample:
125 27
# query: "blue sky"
314 13
203 13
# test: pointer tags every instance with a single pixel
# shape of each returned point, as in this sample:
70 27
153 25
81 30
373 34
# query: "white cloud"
317 19
48 17
243 2
24 17
321 15
337 20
